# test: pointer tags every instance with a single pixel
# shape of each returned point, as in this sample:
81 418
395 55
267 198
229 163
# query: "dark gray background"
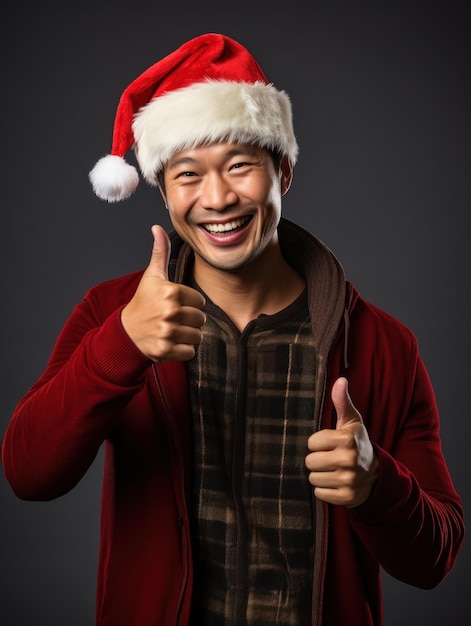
381 100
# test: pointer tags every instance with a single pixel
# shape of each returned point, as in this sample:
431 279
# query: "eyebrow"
181 161
187 160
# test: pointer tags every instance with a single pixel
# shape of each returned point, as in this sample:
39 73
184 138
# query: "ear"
162 193
286 175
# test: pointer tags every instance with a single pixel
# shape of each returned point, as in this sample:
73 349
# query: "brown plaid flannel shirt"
252 398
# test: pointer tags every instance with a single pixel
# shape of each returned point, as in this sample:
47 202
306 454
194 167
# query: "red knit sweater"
98 388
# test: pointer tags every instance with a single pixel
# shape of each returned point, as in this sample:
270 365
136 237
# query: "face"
224 200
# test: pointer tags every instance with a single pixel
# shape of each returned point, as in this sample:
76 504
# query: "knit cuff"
118 358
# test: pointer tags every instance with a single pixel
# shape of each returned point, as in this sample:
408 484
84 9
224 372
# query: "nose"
217 193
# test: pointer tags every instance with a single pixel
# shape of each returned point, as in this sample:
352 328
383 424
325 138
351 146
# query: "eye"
238 166
185 174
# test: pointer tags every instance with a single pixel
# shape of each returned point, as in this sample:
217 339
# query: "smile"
227 227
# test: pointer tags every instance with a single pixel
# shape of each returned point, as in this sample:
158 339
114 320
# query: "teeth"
224 228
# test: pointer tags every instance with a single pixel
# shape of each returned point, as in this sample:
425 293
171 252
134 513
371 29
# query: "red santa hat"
210 89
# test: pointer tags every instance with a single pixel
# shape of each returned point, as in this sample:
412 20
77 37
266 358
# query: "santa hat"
210 89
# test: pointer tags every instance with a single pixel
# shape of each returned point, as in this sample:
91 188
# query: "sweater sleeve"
413 522
58 427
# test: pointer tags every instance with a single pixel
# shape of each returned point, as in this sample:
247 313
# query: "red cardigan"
98 387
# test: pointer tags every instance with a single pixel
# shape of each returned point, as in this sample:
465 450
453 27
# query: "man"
243 483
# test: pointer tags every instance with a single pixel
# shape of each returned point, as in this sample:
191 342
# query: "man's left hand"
342 464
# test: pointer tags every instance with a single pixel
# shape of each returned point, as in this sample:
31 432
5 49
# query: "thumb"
158 264
346 411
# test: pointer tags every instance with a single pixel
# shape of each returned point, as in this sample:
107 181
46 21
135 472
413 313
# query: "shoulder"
382 357
378 327
111 294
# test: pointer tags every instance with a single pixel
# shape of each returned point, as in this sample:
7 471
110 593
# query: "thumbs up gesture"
164 319
341 462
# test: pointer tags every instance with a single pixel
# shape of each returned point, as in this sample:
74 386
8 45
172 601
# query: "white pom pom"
113 179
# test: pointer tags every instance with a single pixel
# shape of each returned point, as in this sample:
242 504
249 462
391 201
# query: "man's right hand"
164 319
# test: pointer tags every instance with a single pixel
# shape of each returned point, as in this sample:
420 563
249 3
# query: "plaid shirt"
253 403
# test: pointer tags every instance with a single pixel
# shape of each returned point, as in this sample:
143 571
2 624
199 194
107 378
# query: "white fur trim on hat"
211 111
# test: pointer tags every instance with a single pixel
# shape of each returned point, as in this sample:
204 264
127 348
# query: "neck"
267 285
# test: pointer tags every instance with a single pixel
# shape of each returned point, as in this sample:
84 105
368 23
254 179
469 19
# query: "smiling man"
224 200
272 439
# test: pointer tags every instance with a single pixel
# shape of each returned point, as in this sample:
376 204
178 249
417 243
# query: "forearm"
414 535
59 426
